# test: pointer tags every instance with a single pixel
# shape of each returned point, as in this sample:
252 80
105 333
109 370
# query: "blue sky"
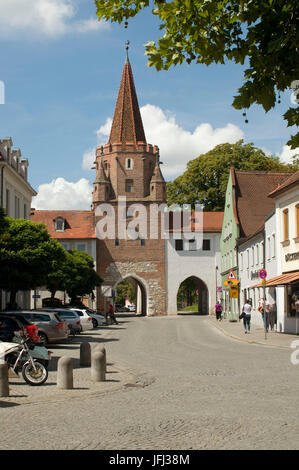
62 71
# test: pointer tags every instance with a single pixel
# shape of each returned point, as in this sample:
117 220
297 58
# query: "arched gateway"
193 296
141 292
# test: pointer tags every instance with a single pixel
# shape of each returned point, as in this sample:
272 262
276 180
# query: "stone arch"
142 307
202 296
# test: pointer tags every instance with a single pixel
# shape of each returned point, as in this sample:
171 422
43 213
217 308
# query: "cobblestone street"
172 383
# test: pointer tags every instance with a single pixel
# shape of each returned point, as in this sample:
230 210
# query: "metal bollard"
4 386
65 373
98 366
85 354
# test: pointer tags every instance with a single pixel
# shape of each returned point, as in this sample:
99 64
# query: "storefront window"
293 300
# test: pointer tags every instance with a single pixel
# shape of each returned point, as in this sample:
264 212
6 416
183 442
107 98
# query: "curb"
248 341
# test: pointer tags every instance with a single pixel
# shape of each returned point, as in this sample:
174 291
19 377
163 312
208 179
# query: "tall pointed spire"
127 124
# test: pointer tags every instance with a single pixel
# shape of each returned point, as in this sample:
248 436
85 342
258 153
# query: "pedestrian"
246 310
111 315
273 316
218 311
267 314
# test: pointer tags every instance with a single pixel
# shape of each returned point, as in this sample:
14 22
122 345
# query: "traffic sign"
263 274
231 275
233 282
234 292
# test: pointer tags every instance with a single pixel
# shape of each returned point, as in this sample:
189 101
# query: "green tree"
205 180
261 33
187 293
81 277
125 290
27 253
3 221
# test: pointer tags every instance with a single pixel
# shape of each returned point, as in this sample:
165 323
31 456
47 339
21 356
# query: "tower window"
129 186
129 163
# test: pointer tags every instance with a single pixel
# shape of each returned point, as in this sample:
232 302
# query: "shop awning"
281 280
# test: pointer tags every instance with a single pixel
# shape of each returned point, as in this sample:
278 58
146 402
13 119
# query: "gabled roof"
292 181
252 201
78 224
127 123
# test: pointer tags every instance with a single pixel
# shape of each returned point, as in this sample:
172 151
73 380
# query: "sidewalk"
235 330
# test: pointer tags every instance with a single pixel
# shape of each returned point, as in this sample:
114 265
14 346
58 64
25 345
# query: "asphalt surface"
173 383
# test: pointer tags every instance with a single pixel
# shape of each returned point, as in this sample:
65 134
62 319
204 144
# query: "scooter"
19 358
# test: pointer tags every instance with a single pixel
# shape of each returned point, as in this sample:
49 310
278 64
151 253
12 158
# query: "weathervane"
127 49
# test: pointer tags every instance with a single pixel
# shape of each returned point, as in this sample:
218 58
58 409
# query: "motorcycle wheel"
34 378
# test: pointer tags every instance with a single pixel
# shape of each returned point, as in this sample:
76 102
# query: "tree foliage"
27 253
125 290
205 180
81 278
262 34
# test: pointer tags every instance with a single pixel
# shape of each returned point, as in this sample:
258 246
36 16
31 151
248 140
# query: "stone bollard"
98 366
4 386
65 373
102 349
85 354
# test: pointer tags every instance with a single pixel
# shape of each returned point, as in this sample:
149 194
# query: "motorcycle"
19 358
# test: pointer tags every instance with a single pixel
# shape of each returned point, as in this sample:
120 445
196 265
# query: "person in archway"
218 311
112 316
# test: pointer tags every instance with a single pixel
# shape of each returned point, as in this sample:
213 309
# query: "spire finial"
127 50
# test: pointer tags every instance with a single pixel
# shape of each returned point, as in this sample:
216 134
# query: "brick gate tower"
127 166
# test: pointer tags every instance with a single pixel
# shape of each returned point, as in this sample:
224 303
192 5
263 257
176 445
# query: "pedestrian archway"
131 291
193 297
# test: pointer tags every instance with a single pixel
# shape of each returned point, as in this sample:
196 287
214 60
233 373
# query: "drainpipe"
264 288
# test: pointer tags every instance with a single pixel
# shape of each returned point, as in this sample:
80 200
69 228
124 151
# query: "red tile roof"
127 123
252 199
291 181
78 224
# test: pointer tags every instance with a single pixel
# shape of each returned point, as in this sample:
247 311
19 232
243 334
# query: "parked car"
96 318
120 308
131 308
29 328
51 327
85 318
72 319
9 326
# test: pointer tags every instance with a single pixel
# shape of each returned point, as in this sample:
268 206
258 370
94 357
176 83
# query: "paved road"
195 389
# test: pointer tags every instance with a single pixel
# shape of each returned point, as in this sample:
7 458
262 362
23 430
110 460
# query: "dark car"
9 323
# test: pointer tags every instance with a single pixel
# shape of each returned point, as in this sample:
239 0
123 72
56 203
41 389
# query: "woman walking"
247 316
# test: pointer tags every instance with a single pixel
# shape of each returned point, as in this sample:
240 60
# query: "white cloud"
88 159
177 145
287 153
50 18
63 194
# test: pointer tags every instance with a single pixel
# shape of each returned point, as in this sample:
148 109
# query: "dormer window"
59 224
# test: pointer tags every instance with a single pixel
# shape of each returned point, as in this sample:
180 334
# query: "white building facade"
186 259
15 197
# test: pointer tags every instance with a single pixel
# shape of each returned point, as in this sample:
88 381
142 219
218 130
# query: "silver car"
51 327
72 319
